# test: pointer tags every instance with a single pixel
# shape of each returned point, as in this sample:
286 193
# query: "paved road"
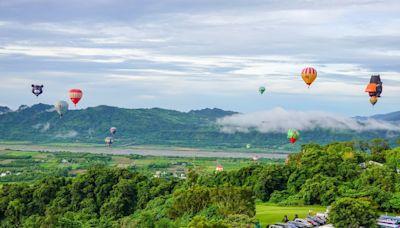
145 152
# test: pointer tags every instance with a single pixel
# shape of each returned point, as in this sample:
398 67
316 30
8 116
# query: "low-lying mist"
279 120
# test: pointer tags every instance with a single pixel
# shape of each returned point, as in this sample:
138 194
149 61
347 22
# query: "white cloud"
280 120
42 127
67 134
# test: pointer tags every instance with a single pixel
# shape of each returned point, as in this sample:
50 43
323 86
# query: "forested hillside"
364 174
40 124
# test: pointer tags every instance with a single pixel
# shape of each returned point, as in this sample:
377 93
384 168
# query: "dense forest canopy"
115 197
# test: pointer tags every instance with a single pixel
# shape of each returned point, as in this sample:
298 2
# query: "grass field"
270 213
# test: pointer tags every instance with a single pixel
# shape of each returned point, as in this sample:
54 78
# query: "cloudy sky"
184 55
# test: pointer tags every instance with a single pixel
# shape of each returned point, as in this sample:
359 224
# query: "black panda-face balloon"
37 89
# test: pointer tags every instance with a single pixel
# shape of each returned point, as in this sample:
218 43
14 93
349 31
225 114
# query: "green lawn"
269 213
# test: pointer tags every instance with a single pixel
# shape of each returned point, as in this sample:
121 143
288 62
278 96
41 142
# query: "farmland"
17 166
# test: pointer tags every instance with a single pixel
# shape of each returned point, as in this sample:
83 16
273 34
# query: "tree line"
337 174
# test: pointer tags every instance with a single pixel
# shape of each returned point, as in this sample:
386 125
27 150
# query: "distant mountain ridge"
213 114
155 126
390 117
4 109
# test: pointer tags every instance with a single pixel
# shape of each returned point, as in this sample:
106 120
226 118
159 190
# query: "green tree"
392 158
234 200
398 141
319 190
269 179
378 176
122 201
45 191
202 222
378 148
353 213
15 211
190 201
395 202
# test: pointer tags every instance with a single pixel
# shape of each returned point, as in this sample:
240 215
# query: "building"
219 168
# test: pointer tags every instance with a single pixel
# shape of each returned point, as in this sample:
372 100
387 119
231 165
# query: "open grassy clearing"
269 213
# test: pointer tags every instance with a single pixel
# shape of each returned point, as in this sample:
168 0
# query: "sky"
185 55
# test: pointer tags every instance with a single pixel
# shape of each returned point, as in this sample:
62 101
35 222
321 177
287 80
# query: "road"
144 152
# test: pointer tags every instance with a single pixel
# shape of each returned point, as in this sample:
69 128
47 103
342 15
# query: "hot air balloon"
113 130
374 88
293 135
309 74
75 95
61 107
261 89
37 89
108 141
373 100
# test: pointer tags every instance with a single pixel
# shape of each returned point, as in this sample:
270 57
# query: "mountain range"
40 124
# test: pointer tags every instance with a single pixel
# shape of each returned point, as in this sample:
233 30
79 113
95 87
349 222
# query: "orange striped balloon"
309 74
75 95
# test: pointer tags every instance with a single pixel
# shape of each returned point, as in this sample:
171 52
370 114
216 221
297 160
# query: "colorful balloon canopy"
113 130
309 74
293 135
261 89
37 89
61 107
108 141
75 95
374 88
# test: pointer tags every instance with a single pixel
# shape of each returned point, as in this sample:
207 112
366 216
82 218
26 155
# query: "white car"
303 221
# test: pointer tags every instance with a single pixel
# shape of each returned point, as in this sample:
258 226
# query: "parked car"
317 219
277 226
322 215
305 222
291 225
284 225
314 223
389 222
297 224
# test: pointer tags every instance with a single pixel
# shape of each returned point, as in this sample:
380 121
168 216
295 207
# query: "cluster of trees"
111 197
320 174
332 174
368 173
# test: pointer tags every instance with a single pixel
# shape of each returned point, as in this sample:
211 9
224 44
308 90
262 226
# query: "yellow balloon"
373 100
309 74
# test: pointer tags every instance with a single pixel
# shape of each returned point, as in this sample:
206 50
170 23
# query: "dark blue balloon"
37 89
